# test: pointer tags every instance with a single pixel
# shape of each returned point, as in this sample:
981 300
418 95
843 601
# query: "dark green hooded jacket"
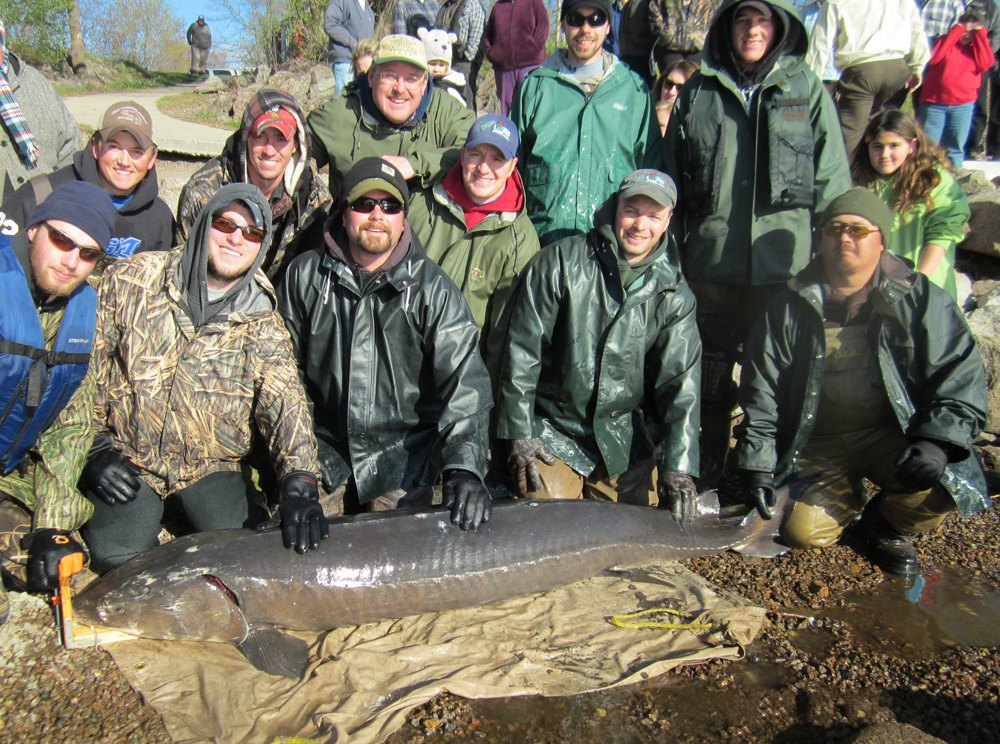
587 358
754 156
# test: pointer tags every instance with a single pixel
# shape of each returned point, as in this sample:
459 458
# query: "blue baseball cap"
496 130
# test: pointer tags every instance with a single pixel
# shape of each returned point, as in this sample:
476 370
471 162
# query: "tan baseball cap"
402 48
128 116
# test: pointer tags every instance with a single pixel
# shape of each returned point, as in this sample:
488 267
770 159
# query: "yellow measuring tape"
634 620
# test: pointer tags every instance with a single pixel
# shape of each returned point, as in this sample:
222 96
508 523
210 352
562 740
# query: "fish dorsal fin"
274 652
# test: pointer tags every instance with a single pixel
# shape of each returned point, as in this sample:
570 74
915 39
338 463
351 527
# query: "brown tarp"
364 679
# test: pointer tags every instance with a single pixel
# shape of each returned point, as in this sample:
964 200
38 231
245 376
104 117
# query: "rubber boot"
889 549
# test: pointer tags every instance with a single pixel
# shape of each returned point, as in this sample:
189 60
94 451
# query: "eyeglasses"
410 81
64 242
667 84
857 232
250 232
594 20
365 205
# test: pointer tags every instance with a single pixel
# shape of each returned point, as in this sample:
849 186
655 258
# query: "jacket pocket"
791 151
706 152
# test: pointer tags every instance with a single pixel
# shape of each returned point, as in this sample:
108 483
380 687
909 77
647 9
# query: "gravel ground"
842 649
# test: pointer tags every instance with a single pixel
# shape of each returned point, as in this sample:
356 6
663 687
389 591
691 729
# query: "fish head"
189 605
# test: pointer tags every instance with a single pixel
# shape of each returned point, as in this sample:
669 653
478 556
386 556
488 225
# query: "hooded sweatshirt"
145 223
297 206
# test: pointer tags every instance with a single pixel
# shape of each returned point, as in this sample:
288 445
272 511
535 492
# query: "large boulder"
984 203
985 324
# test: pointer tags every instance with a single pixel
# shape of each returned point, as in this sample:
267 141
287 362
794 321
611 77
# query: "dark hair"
972 15
916 177
684 66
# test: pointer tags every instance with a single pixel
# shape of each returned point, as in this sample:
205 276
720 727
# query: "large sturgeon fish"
239 586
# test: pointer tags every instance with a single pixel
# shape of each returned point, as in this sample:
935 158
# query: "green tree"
37 30
145 32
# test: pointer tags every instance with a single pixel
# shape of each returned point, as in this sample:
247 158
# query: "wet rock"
893 733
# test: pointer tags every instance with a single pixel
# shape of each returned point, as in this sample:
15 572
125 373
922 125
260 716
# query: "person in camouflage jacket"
190 356
298 197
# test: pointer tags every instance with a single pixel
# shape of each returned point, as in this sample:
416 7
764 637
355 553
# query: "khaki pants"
637 485
837 498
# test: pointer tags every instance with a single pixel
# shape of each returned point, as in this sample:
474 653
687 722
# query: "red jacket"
956 70
516 33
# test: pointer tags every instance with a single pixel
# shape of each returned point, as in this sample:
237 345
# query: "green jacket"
930 364
752 173
942 225
343 132
576 148
391 365
584 355
483 261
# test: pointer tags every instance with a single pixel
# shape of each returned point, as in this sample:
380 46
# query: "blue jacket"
36 383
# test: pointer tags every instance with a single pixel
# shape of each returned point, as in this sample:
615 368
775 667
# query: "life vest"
37 383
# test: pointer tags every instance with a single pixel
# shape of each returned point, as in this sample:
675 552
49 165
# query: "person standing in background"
514 42
199 37
346 22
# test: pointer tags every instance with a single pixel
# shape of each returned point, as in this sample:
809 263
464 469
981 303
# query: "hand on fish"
300 515
759 487
522 463
468 498
48 547
678 493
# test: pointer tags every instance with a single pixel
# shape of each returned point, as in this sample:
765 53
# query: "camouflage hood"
192 279
234 155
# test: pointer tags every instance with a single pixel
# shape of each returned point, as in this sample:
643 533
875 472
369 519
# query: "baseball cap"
401 48
496 130
374 174
602 5
280 118
128 116
650 183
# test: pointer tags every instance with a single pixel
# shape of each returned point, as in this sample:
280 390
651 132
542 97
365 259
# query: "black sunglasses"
64 242
594 20
251 232
365 205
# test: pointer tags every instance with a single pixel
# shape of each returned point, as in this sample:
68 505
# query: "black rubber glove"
921 465
523 453
109 475
468 499
678 493
301 517
47 547
759 487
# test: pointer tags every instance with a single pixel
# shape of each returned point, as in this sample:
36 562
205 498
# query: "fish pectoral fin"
274 652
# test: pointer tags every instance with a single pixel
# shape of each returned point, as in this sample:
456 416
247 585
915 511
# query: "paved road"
171 135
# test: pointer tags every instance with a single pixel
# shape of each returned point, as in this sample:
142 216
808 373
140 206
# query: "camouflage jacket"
46 485
299 225
182 402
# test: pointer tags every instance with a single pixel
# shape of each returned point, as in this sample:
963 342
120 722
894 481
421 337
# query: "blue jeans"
948 125
343 73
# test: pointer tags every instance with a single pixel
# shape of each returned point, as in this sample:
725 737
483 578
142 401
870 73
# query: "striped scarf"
11 113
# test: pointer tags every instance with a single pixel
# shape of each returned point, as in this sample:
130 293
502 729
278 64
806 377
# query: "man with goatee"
389 354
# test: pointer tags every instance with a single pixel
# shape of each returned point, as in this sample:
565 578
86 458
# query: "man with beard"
586 121
191 355
389 355
47 322
393 112
121 159
755 146
271 150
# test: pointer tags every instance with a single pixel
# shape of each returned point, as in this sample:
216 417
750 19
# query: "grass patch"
105 76
197 108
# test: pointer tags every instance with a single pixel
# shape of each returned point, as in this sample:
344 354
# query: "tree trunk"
77 53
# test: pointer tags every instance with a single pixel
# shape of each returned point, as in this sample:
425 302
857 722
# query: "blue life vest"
35 383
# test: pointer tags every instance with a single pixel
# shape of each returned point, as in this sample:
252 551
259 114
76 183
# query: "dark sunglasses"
365 205
594 20
252 233
667 84
64 242
858 232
